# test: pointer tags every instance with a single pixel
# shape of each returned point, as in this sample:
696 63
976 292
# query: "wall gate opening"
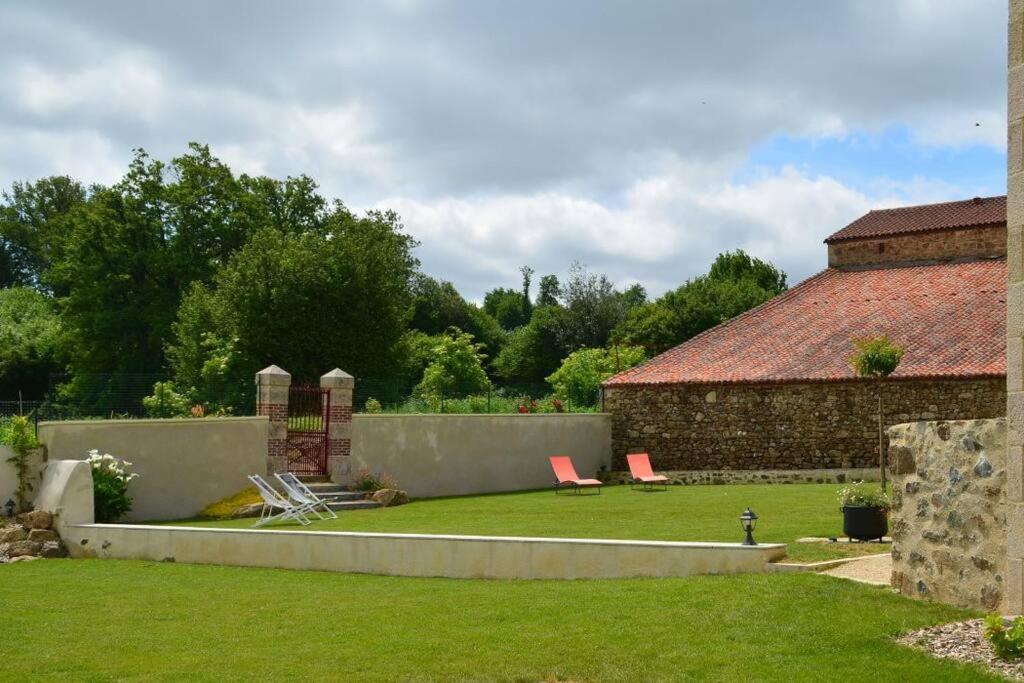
309 414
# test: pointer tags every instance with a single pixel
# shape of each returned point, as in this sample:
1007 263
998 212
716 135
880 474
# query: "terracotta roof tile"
950 317
962 214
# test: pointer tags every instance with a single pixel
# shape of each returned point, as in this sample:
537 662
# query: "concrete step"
339 506
340 496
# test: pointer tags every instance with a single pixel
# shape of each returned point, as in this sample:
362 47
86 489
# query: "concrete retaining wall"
9 476
461 557
451 455
183 465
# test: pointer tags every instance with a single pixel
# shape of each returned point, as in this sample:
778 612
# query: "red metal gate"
309 413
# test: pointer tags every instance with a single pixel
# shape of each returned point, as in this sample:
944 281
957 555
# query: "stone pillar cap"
337 377
273 375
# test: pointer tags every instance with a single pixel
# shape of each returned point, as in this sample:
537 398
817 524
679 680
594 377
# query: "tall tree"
306 302
735 283
437 306
549 291
29 342
33 228
508 307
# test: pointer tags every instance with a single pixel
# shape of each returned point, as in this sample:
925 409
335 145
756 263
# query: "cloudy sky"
640 138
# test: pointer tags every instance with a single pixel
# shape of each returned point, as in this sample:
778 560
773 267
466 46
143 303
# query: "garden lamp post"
749 520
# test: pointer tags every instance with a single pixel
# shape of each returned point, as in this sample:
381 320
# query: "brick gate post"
339 429
272 384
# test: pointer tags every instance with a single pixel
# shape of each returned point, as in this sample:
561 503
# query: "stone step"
341 505
340 496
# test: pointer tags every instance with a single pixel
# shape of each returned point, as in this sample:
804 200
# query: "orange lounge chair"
640 469
566 477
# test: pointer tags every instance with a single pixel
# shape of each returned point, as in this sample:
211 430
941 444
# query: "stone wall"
949 513
719 477
781 426
977 242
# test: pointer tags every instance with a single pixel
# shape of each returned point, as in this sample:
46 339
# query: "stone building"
772 389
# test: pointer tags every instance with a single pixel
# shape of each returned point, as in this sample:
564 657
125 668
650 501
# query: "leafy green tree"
877 358
116 271
579 378
437 306
305 302
33 228
30 342
549 291
456 367
533 351
508 307
734 284
594 307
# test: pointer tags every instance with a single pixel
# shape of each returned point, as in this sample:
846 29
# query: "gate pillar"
272 384
339 429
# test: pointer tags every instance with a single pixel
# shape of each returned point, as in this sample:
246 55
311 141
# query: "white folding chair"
301 494
272 500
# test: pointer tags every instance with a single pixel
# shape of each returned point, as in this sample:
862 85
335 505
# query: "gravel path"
963 641
873 569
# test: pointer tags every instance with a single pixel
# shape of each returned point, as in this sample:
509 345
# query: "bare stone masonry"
781 426
949 512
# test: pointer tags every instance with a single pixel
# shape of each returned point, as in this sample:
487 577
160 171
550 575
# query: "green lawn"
683 513
113 620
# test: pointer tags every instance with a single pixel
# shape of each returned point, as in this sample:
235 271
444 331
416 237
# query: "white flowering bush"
110 479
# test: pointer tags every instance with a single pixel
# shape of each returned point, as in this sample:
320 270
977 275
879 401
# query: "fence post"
339 428
272 384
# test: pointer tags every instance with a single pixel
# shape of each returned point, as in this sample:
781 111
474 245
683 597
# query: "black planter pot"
865 523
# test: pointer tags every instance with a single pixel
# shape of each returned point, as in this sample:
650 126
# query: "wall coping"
386 416
445 537
171 421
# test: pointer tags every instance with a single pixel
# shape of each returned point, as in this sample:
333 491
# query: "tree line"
189 269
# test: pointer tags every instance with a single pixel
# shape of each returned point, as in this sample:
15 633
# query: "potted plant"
865 509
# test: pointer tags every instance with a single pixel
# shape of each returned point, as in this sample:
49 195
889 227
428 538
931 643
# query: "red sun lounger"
566 477
640 470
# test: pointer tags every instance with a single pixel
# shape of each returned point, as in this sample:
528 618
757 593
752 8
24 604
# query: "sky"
638 138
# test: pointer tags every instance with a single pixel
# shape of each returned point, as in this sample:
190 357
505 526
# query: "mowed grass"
682 513
113 620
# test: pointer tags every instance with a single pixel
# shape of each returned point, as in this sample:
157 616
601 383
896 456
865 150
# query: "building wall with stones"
938 245
949 511
1015 306
824 425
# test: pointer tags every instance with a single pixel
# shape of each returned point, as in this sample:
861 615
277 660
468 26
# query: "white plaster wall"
9 476
183 465
451 455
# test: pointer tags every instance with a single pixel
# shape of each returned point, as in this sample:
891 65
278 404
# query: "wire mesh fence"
131 396
395 396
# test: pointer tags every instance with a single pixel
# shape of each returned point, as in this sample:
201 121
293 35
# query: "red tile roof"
963 214
950 317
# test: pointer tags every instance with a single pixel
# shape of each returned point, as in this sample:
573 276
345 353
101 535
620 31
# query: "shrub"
370 482
876 357
579 378
373 406
862 494
110 479
1007 642
18 435
166 401
456 366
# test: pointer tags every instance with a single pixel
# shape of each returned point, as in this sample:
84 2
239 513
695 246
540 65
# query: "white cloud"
669 228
